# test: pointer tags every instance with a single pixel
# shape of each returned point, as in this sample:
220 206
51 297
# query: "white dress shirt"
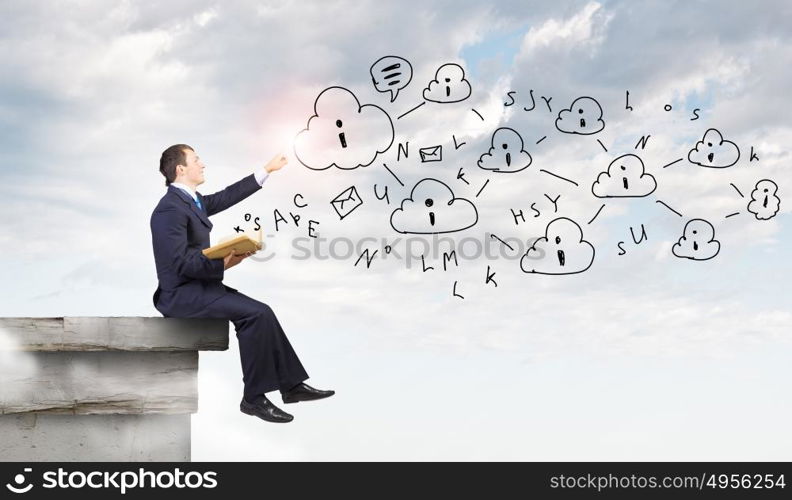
261 176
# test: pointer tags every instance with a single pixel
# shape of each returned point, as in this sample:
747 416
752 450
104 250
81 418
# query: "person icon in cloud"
584 117
697 242
625 178
449 85
432 208
562 250
714 151
765 202
506 154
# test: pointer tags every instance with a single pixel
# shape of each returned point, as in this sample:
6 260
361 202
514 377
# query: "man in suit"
191 286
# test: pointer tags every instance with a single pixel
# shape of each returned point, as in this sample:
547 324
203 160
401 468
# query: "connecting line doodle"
540 140
482 188
597 214
410 111
506 244
346 135
666 205
737 189
732 215
673 162
394 175
603 146
477 114
559 177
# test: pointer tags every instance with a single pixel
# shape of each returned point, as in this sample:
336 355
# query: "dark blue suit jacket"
188 281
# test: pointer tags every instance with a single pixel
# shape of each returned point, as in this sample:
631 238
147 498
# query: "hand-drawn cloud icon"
697 242
431 154
391 74
506 154
713 151
765 202
343 133
583 117
625 178
449 85
562 250
432 208
346 202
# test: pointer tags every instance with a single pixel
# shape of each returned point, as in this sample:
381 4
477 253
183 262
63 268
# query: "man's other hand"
275 164
233 259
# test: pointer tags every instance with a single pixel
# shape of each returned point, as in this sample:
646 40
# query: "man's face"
192 173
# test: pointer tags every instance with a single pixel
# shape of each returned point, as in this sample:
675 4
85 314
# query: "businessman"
191 286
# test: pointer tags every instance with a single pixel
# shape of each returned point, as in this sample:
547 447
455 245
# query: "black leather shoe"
265 410
304 392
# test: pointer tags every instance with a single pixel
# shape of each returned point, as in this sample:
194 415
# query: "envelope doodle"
431 154
346 202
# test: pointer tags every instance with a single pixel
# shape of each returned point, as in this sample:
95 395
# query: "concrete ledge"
95 438
101 389
90 383
117 334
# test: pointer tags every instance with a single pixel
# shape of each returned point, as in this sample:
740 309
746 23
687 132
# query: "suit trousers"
268 359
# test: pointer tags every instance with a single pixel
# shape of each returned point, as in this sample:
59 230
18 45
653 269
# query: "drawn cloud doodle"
697 242
343 133
433 208
391 74
626 177
583 117
506 154
561 251
714 151
765 202
449 85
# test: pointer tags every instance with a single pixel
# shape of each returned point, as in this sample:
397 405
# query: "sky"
642 356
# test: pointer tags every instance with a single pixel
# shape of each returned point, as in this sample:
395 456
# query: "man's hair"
171 157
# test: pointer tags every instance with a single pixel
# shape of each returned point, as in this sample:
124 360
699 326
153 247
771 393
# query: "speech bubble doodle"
391 74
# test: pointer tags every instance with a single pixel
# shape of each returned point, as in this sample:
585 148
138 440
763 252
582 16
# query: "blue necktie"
198 202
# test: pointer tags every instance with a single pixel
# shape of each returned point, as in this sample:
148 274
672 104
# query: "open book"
238 244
